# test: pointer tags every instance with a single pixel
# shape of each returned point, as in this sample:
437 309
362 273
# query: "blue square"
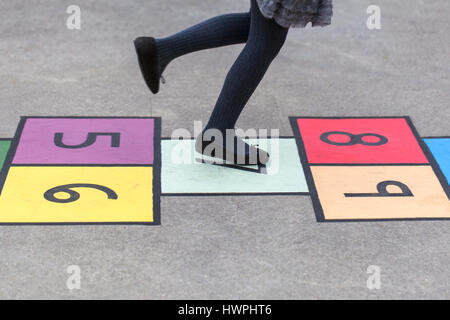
440 148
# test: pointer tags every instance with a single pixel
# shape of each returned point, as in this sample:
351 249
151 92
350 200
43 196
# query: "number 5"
90 140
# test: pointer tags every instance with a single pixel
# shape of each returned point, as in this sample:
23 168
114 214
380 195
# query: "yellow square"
351 192
106 195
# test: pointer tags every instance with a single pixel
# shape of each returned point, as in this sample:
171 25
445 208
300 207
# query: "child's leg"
264 42
219 31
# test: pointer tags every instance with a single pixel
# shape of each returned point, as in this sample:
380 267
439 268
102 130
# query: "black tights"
263 37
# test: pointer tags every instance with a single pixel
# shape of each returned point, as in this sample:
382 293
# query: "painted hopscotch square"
27 196
440 149
83 140
359 140
347 193
4 148
181 174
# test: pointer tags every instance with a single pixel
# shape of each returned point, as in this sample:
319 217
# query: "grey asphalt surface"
226 247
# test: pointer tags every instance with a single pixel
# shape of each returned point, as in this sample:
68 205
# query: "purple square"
120 141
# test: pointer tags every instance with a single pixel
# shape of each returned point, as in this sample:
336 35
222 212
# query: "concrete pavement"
259 247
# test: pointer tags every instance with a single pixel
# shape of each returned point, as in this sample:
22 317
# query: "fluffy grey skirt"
298 13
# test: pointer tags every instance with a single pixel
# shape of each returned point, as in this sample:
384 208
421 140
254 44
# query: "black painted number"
383 191
90 140
354 139
73 195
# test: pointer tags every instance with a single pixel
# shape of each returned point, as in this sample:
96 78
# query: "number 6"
73 195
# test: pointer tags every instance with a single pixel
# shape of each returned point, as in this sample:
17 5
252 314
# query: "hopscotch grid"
156 170
157 173
318 209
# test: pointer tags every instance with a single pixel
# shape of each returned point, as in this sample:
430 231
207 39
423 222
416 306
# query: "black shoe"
147 53
242 153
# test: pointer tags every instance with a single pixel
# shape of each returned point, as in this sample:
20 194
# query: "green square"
4 147
181 174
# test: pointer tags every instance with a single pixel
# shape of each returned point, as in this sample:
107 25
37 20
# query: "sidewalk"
226 247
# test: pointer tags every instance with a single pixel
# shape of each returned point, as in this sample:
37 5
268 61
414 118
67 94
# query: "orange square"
353 192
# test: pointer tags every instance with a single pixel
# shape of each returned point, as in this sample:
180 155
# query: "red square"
360 141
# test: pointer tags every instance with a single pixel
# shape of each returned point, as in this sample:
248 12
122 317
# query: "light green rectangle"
181 174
